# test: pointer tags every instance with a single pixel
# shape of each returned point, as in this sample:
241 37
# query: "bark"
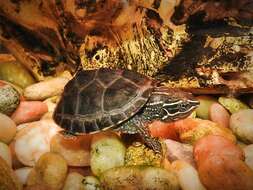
202 46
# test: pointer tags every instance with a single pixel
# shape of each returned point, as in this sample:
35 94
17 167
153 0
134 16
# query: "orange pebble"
216 145
29 111
163 130
218 114
221 165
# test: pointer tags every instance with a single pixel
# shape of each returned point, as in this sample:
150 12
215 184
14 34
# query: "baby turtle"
97 100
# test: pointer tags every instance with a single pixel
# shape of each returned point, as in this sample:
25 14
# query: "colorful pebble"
248 151
7 129
203 109
45 89
29 111
9 99
241 124
233 105
218 114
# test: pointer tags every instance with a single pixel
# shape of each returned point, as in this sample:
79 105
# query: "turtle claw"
155 145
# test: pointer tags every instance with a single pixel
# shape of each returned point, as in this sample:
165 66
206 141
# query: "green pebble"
202 111
15 73
233 105
9 99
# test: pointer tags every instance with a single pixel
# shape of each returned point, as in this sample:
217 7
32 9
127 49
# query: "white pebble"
248 151
5 153
34 140
179 151
241 124
74 182
22 174
187 176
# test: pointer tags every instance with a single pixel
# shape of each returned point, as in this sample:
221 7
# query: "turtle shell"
96 100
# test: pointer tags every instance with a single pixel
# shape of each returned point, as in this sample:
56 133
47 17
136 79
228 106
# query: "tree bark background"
199 45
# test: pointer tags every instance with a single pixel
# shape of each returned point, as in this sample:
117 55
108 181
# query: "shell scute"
69 107
78 124
107 76
82 77
118 94
90 126
118 118
104 121
66 124
57 117
137 79
90 99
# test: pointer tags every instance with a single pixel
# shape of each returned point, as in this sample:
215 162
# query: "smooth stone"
218 114
220 164
15 162
179 151
187 175
72 149
7 129
5 153
233 105
8 179
48 115
198 128
51 103
29 111
74 182
22 174
15 73
51 170
45 89
33 140
17 88
248 151
202 111
241 124
9 99
241 144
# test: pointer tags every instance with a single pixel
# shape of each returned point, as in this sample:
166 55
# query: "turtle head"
175 109
170 104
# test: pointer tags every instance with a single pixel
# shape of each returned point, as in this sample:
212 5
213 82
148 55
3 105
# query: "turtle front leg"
144 132
137 125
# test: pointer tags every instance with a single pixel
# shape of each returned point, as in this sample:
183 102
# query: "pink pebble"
29 111
218 114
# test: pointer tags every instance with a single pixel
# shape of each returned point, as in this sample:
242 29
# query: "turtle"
122 100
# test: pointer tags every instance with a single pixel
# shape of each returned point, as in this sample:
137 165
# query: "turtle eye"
184 106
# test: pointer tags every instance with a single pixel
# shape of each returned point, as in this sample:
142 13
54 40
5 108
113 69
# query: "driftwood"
203 46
